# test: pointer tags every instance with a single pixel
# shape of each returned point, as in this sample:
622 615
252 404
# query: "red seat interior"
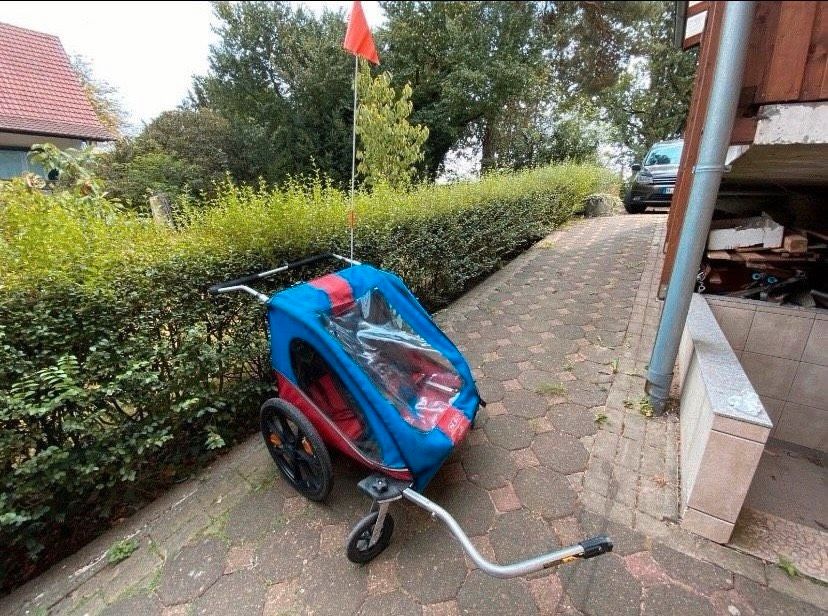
326 395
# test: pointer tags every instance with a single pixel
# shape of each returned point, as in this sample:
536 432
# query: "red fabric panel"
339 291
454 424
327 397
329 433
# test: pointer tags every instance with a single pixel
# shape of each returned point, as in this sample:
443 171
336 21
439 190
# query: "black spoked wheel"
359 549
298 450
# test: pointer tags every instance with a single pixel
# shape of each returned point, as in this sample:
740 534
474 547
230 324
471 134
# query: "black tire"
298 450
358 550
634 208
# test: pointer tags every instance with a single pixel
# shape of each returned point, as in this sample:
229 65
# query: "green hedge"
119 374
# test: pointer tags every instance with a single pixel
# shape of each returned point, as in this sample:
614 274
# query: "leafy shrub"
119 374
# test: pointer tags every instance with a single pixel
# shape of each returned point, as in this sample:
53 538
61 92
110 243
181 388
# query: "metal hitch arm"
585 549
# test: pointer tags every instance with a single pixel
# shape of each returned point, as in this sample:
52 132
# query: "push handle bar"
240 284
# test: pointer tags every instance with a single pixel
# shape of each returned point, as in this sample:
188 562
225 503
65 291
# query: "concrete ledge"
724 427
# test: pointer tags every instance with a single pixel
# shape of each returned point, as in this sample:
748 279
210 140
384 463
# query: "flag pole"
351 214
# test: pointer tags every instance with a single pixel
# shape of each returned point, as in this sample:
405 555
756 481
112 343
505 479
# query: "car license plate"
667 190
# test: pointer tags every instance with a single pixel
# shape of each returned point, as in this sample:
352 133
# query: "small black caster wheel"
359 550
298 450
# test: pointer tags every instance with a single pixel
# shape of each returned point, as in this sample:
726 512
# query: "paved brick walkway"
559 339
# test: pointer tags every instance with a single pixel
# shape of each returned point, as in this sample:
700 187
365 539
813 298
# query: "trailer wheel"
359 551
298 450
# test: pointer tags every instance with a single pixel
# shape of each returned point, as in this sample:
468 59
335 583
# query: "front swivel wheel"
360 550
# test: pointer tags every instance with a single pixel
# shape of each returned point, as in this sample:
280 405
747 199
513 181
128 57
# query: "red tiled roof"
39 91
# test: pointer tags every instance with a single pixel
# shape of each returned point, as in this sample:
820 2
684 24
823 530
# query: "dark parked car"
655 179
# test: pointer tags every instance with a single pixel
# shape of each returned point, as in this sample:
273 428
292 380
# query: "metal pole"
352 214
707 175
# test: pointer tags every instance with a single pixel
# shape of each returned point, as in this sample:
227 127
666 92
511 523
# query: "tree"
103 97
490 73
281 79
650 101
184 149
465 61
390 146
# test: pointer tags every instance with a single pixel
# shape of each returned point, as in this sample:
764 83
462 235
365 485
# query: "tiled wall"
784 351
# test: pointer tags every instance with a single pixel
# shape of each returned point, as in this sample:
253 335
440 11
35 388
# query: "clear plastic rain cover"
413 376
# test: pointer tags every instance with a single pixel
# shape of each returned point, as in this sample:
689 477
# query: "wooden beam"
815 82
692 136
786 69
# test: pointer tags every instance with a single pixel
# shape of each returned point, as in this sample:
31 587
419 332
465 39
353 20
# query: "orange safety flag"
358 39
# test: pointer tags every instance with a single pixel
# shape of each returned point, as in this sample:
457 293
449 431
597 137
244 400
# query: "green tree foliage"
103 96
650 100
390 146
281 78
73 171
466 61
189 149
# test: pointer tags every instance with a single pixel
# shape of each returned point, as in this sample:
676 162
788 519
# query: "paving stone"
194 569
254 516
560 452
510 432
505 499
525 458
488 466
500 370
519 535
767 601
283 598
703 576
144 604
547 593
389 603
431 565
282 553
545 492
239 558
445 608
238 593
574 419
483 595
602 586
490 390
525 404
587 394
671 599
535 380
647 571
332 585
468 503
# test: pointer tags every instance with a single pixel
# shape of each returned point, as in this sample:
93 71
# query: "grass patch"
642 405
787 566
601 419
121 550
551 389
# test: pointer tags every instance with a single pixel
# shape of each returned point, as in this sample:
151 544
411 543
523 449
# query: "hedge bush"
119 374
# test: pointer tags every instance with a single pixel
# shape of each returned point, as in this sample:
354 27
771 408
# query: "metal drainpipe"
707 175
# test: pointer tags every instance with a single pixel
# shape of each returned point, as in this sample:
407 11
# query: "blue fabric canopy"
410 383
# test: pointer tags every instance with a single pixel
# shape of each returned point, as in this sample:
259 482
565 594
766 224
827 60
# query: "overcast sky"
148 50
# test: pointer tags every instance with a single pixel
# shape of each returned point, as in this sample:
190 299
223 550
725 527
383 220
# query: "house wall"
784 352
15 140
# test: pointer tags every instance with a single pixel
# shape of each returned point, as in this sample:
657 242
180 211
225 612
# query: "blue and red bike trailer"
362 368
